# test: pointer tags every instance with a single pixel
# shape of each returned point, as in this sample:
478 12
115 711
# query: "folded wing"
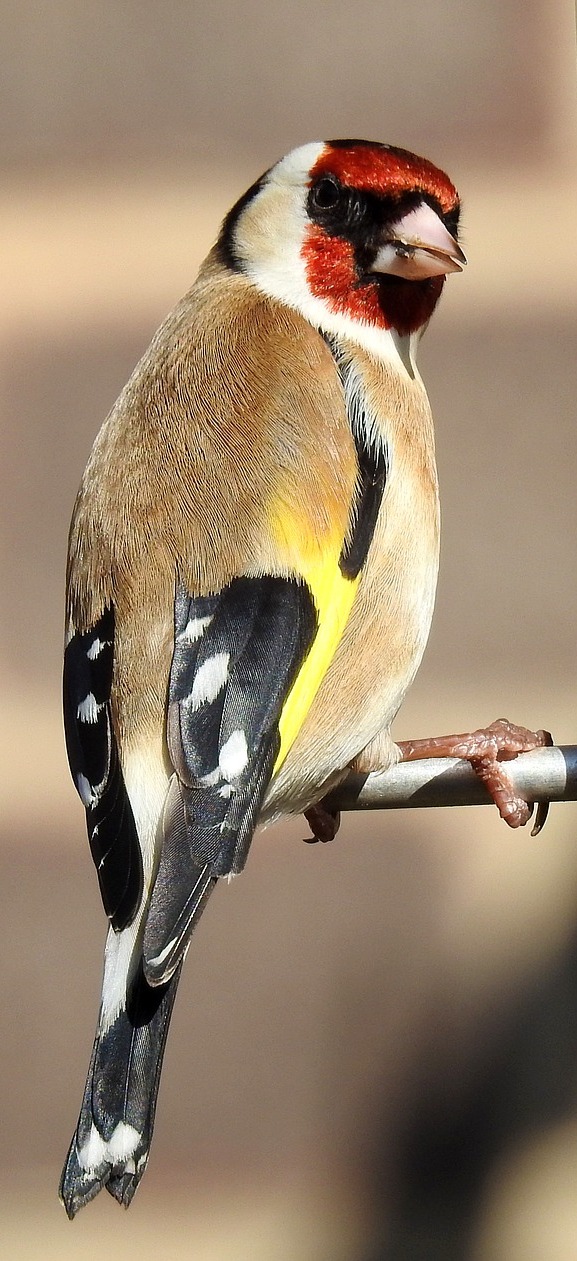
236 656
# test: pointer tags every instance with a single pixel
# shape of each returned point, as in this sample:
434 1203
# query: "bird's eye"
326 194
326 197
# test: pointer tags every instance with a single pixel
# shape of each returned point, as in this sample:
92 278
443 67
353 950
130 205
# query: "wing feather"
223 747
96 770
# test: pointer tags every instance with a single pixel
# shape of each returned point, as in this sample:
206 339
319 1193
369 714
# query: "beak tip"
459 262
420 246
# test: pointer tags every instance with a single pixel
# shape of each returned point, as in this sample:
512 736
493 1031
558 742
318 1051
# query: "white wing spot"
89 709
87 795
97 646
194 629
233 756
208 681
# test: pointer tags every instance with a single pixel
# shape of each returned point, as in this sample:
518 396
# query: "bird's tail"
112 1140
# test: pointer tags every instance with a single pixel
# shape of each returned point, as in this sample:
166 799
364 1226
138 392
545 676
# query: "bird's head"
357 236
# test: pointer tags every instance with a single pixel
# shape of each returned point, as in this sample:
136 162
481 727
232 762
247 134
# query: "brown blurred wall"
326 987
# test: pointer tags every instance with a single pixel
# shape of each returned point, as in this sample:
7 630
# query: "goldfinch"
251 576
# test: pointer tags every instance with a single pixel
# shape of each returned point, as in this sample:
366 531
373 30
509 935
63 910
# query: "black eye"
325 195
335 207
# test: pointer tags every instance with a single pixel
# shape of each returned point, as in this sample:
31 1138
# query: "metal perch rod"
542 775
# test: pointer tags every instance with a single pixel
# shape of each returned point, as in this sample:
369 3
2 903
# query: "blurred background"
374 1051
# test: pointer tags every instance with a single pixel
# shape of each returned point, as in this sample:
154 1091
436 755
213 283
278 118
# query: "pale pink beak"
419 246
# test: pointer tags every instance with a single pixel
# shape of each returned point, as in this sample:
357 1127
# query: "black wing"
236 656
95 767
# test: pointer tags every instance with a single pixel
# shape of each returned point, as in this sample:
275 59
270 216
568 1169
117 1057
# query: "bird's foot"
486 750
324 824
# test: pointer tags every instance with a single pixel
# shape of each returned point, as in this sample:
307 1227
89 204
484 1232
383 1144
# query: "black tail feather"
112 1140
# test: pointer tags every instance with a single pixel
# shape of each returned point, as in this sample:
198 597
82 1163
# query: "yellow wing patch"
317 563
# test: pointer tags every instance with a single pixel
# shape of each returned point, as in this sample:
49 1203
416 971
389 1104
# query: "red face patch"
332 275
391 303
330 259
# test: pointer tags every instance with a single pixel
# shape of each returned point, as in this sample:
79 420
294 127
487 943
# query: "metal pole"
542 775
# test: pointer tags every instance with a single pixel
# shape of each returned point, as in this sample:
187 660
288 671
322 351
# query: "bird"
252 567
